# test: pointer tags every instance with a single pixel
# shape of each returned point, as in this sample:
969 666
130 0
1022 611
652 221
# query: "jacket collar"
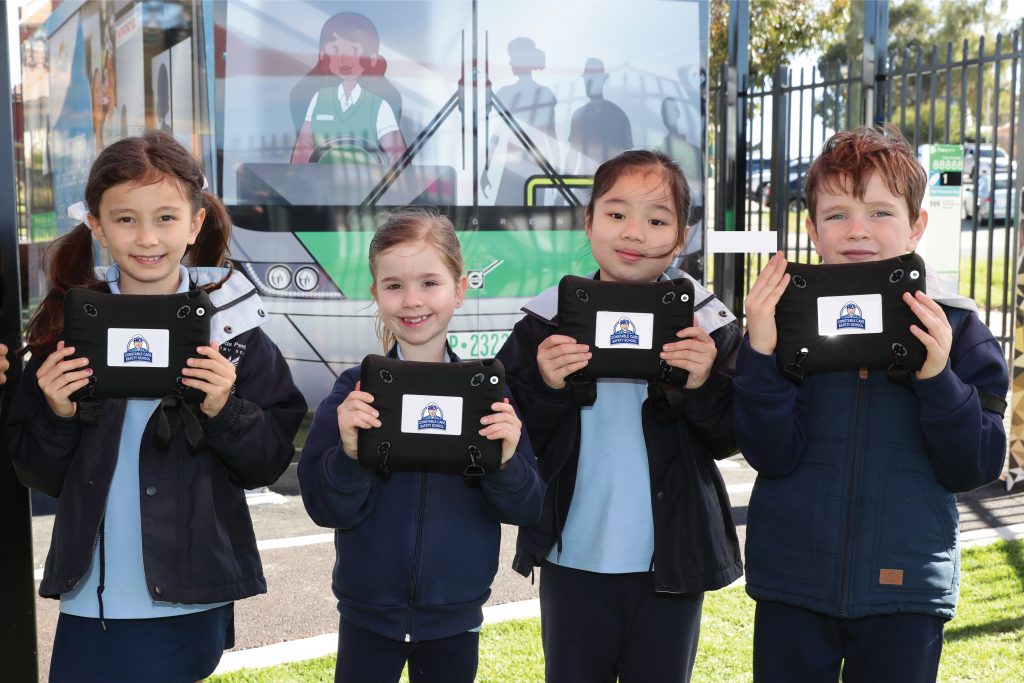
237 305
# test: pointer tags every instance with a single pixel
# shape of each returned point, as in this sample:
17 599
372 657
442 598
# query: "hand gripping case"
624 324
430 415
849 316
136 344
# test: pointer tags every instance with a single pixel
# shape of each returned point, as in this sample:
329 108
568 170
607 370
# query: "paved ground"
299 603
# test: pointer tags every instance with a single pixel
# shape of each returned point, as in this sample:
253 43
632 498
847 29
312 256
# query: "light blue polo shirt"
125 594
610 527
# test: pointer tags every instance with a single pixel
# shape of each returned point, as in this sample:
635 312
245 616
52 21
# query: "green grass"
985 642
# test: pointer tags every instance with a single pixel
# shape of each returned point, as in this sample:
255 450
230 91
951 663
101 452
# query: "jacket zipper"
844 577
417 553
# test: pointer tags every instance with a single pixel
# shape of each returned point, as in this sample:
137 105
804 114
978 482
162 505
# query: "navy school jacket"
417 551
853 512
695 543
198 544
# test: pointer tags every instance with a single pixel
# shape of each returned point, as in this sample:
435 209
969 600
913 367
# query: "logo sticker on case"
137 348
623 330
435 415
850 314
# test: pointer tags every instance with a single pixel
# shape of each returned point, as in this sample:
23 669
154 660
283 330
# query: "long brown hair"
144 160
414 225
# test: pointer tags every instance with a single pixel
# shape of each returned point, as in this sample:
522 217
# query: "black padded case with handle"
827 322
136 344
430 415
625 324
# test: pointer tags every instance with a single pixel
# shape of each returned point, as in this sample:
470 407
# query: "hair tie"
206 183
79 211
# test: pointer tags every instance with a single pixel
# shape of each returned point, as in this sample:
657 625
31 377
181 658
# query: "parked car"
986 154
989 200
797 174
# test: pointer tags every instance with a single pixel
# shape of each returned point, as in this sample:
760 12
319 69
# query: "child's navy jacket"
198 545
854 509
417 551
695 544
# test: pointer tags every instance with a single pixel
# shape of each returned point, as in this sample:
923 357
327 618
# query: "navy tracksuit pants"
601 628
795 644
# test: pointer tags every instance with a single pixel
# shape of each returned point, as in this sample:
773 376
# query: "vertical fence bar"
948 90
780 143
976 172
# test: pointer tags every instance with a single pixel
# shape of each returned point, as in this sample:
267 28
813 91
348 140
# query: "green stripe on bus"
531 260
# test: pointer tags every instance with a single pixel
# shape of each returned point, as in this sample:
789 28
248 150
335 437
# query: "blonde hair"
414 225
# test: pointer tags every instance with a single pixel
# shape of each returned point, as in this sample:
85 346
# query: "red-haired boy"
852 550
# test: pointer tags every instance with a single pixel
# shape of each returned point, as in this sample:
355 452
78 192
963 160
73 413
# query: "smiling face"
147 229
417 294
343 58
634 231
846 229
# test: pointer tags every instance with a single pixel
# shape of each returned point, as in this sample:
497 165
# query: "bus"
314 118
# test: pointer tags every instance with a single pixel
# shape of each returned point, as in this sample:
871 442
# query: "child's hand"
505 425
760 305
3 364
938 339
213 375
695 354
355 412
59 378
558 357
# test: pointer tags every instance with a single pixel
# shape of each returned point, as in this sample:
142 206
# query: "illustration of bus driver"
352 124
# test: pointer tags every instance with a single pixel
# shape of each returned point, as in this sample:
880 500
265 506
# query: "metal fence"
968 96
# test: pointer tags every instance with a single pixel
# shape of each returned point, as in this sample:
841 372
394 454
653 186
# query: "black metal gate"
948 96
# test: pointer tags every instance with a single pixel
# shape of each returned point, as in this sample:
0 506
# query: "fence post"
778 201
731 145
873 61
17 599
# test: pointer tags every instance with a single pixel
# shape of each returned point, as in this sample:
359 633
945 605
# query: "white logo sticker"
623 330
423 414
850 314
131 347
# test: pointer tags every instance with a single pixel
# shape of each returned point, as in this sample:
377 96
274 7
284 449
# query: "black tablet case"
802 350
431 441
145 365
581 300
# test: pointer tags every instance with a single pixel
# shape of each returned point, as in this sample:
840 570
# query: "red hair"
850 158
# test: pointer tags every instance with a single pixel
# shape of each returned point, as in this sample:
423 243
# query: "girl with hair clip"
151 545
636 522
417 550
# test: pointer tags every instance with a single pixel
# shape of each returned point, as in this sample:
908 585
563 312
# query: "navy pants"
365 657
181 649
795 644
599 628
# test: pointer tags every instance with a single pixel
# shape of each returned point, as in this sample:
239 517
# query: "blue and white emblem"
432 417
138 351
624 332
851 317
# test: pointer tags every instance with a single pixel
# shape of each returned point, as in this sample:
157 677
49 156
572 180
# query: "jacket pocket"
915 550
785 523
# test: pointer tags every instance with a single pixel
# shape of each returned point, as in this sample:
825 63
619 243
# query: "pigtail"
211 245
386 337
69 264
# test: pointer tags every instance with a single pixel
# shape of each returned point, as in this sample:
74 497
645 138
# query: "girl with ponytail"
153 541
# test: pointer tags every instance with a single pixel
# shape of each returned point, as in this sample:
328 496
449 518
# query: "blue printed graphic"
431 417
851 317
138 351
625 333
